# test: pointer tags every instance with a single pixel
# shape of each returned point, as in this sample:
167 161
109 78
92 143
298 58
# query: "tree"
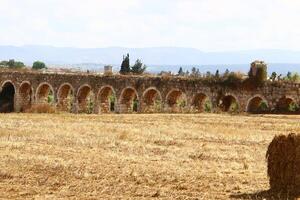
125 66
226 73
180 72
289 76
38 65
187 73
138 67
15 64
295 77
273 76
217 74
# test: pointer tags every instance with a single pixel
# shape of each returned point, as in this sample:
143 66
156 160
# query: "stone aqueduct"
71 92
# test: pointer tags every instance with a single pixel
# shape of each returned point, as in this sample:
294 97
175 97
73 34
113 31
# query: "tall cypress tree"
125 66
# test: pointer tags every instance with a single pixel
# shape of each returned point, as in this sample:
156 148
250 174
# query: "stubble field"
163 156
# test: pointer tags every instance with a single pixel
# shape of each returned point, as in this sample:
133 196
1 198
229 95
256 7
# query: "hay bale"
283 157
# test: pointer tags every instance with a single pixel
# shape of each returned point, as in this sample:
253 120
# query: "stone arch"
229 103
25 95
176 100
65 97
257 104
45 94
151 100
287 104
85 99
199 101
129 100
106 99
7 97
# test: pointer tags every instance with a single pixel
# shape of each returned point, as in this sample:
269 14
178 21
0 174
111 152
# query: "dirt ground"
162 156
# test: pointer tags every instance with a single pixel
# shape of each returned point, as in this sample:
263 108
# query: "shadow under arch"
176 100
286 104
257 104
7 97
151 100
45 93
229 103
106 99
201 103
85 99
25 95
65 97
129 100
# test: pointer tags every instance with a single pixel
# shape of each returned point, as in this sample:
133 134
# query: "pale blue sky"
208 25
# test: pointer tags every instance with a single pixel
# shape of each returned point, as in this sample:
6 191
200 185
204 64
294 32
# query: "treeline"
12 64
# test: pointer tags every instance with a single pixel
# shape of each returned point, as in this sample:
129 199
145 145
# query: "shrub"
38 65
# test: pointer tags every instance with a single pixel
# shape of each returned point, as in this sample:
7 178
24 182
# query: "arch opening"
257 105
129 101
176 101
106 100
7 96
65 97
25 93
85 100
45 94
152 101
201 103
229 104
287 105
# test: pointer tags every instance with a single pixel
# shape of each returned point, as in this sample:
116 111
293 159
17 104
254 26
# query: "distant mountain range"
156 58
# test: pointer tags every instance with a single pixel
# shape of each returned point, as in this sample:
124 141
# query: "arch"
201 102
85 99
7 97
151 100
287 104
176 100
229 103
257 104
25 95
106 99
129 100
44 93
65 97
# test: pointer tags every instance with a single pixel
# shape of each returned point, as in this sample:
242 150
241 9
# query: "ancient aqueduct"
71 91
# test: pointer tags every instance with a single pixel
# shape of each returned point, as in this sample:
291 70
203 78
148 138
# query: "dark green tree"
273 76
15 64
138 67
180 72
226 73
217 74
38 65
289 76
125 66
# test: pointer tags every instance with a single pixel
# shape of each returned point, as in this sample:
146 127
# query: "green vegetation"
125 66
292 77
38 65
258 73
138 67
12 64
208 106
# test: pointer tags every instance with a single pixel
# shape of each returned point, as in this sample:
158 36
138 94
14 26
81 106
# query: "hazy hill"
157 58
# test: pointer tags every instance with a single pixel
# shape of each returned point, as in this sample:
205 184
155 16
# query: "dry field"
205 156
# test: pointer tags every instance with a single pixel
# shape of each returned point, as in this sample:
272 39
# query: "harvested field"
184 156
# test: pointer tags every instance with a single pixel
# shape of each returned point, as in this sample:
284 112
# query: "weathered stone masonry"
72 92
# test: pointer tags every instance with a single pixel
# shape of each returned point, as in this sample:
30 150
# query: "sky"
208 25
